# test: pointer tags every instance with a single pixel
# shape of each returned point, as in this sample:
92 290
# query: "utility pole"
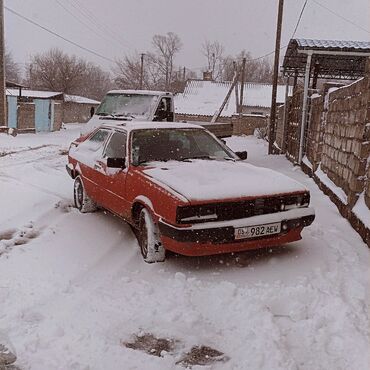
242 86
3 120
141 70
236 86
184 74
275 78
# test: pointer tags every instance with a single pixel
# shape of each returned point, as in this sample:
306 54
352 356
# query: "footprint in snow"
10 238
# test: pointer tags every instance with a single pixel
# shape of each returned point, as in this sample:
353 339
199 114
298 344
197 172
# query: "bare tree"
96 82
256 70
12 70
213 51
127 72
57 71
165 48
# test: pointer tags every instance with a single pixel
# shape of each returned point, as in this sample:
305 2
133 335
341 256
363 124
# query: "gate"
42 115
12 111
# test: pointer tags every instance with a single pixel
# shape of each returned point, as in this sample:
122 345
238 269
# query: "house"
38 111
202 98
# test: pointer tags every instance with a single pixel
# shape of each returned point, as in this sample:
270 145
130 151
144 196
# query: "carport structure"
326 59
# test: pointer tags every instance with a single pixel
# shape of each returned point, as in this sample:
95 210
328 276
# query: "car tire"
82 201
151 247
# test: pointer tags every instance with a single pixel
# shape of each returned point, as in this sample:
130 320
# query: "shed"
33 110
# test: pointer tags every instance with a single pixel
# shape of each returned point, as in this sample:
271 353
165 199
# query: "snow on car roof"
136 125
139 92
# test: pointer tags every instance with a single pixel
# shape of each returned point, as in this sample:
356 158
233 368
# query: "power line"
57 35
299 19
87 14
341 17
81 21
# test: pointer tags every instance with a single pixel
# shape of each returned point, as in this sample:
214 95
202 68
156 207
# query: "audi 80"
184 190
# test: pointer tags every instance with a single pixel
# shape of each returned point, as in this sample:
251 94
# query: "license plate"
257 231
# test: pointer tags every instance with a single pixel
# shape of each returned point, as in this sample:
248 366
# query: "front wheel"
151 247
82 201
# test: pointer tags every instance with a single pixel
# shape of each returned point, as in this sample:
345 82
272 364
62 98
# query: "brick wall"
280 127
26 116
367 188
346 144
200 118
75 112
58 116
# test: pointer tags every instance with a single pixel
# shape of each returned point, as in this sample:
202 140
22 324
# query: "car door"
115 178
89 155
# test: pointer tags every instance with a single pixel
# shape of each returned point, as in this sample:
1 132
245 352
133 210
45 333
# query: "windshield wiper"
184 159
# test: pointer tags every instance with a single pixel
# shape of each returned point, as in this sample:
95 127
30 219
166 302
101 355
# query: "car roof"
139 92
137 125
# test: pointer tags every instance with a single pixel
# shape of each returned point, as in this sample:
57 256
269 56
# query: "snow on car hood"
210 180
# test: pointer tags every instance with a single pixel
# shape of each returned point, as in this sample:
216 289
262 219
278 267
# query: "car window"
116 147
97 141
176 144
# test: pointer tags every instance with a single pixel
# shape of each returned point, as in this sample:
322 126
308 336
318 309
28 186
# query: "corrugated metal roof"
33 93
79 99
333 44
341 59
206 97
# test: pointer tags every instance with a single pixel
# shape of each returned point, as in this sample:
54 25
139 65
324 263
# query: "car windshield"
126 105
178 145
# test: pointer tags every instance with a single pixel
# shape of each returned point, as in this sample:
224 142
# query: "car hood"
201 180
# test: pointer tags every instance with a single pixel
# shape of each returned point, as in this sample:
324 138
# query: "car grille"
235 210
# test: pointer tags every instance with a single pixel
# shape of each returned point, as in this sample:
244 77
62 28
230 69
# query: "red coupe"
184 190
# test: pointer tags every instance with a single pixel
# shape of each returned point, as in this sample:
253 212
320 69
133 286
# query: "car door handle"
98 166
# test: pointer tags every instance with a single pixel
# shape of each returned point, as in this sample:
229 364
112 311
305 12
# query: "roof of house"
33 93
38 94
79 99
336 59
205 97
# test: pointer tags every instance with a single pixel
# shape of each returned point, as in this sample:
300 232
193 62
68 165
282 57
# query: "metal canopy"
331 59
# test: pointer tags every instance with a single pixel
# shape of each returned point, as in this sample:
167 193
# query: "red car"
184 190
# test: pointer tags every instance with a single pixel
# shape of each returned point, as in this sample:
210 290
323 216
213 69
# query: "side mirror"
116 162
242 155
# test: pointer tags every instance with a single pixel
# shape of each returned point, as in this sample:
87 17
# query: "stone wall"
315 131
246 124
337 140
346 141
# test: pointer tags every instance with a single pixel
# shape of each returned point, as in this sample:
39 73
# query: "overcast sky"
114 28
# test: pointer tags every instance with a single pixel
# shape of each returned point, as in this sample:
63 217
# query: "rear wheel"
82 201
151 247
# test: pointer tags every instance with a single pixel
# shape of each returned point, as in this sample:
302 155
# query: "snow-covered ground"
74 288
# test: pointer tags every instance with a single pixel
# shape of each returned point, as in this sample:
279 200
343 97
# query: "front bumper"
219 237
